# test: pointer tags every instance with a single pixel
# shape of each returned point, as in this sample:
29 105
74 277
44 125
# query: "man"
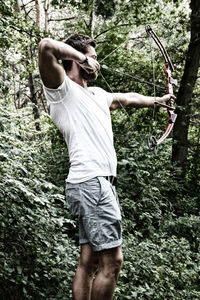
82 114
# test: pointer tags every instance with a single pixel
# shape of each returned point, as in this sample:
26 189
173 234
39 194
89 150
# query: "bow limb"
153 142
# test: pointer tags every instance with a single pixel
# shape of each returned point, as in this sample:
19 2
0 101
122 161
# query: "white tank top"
83 116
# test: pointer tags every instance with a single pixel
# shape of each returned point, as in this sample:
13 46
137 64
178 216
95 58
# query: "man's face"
84 74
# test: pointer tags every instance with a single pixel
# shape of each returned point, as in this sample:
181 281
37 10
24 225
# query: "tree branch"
111 28
63 19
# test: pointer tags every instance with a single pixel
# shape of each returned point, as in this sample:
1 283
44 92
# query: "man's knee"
111 262
89 266
117 263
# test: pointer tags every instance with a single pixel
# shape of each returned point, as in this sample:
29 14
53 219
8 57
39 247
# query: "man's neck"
76 78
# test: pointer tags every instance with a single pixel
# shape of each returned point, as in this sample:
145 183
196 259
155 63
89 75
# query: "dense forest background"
159 194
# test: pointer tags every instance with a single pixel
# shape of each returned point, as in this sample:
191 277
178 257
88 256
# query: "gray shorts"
96 204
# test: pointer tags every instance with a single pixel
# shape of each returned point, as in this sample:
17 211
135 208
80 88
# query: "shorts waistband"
111 179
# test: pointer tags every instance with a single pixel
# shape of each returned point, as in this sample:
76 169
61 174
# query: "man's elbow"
45 45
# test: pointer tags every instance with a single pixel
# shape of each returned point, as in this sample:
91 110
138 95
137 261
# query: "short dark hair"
80 42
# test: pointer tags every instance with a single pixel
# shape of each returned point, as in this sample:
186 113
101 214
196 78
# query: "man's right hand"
90 65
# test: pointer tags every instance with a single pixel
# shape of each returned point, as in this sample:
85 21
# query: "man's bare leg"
110 262
83 279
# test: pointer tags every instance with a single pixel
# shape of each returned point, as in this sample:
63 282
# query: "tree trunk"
37 7
46 8
18 8
34 101
184 97
29 57
92 19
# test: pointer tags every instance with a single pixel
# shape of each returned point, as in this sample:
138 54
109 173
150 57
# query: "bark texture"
184 97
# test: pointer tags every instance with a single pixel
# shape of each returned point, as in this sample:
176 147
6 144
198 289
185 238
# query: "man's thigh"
95 202
88 257
105 259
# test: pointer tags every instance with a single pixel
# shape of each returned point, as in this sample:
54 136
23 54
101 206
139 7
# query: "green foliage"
161 223
37 249
159 268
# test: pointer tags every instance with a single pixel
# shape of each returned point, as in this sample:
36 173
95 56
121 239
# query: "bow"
152 141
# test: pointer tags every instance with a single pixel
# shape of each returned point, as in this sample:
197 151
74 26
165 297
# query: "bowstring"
108 85
154 114
120 45
134 77
113 51
154 85
129 133
113 93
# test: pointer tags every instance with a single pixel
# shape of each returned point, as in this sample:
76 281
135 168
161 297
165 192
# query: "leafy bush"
160 268
38 243
37 247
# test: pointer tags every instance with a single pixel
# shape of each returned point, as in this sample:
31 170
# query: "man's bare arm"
50 52
137 100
